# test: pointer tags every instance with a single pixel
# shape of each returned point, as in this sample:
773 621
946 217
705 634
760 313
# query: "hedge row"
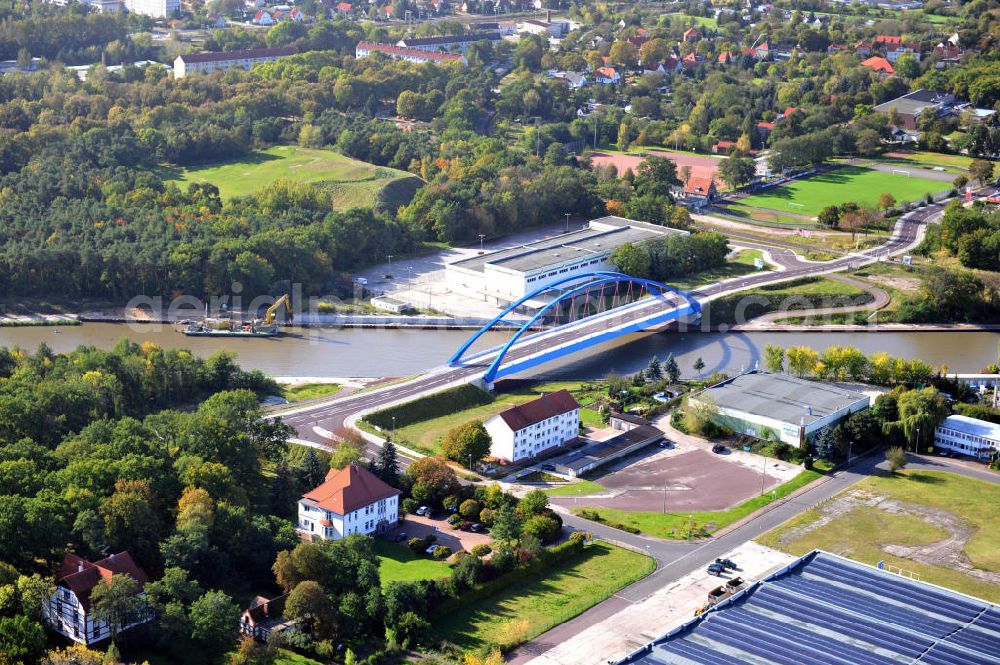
432 406
545 560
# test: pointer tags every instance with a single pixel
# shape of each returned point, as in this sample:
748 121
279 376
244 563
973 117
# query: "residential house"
352 500
894 51
726 57
200 63
69 612
698 191
263 17
723 147
265 617
343 9
879 65
691 35
862 48
575 80
528 429
366 49
789 111
947 51
607 75
889 40
154 8
765 129
669 65
835 48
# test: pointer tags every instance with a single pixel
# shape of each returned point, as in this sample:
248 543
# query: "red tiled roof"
606 72
878 64
699 185
535 411
81 576
391 49
766 125
350 488
888 39
240 55
344 6
790 110
691 32
724 145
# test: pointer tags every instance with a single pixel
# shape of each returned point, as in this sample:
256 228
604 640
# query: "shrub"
442 552
410 506
543 528
455 520
578 536
896 457
486 516
418 545
481 550
470 509
431 406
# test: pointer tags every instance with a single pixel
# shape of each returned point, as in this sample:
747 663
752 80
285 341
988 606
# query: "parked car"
424 510
715 569
665 444
548 467
476 527
430 550
400 537
944 453
719 449
727 563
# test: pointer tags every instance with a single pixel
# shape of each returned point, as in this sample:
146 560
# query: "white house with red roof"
607 75
68 611
352 500
527 429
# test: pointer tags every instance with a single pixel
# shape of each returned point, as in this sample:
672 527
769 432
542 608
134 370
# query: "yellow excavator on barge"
228 327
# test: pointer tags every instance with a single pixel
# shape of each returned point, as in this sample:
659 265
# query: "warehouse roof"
782 397
826 609
602 237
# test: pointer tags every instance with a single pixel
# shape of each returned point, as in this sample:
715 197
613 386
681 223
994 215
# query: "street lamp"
394 428
482 236
567 222
390 265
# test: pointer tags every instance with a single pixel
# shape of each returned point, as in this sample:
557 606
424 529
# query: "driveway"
417 526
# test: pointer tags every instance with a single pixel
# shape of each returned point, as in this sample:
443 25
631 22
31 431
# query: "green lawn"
841 185
352 183
680 526
953 163
426 435
564 592
861 532
286 657
579 488
706 21
305 391
741 264
398 563
771 217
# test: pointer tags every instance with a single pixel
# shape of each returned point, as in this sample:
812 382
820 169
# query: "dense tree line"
672 256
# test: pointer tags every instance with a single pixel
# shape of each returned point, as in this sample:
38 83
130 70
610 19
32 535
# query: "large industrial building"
968 436
778 406
504 276
826 609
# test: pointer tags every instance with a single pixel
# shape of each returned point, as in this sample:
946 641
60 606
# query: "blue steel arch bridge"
576 313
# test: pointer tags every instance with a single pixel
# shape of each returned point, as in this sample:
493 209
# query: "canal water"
382 352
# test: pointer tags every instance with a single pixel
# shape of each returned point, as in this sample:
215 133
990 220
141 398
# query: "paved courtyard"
417 526
686 477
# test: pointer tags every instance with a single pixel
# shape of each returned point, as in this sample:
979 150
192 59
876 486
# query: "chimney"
112 557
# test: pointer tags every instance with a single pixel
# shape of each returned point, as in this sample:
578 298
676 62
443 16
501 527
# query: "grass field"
841 185
352 183
741 264
426 435
579 488
952 163
862 532
301 392
399 564
671 525
286 657
564 592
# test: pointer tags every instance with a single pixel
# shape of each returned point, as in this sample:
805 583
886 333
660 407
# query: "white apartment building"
67 611
968 436
449 42
352 500
419 56
528 429
154 8
202 63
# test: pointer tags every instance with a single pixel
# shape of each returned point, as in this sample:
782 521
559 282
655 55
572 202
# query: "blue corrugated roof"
825 609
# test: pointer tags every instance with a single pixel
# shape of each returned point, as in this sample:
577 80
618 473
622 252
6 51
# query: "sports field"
850 183
352 183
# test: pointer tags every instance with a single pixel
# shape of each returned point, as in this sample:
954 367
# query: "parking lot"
686 477
417 526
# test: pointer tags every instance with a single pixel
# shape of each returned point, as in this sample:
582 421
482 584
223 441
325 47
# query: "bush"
481 550
486 516
470 509
455 520
442 552
410 506
579 536
543 528
418 545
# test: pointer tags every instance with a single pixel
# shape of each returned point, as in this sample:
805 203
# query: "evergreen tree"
699 365
386 464
654 370
670 368
311 471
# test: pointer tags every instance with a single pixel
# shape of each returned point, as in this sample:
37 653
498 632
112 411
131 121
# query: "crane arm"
273 309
